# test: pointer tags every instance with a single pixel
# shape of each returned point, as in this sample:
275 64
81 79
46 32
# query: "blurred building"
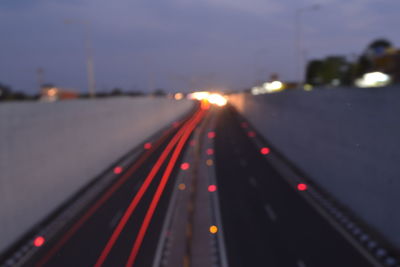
379 58
51 93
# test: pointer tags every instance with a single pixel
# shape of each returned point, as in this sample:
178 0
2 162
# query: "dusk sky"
178 44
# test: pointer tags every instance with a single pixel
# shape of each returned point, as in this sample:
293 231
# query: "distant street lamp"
299 40
89 55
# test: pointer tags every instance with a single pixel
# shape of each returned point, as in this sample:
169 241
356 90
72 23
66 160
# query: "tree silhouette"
380 43
375 49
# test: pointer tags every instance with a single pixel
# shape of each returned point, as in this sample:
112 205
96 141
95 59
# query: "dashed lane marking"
270 212
301 263
253 181
115 219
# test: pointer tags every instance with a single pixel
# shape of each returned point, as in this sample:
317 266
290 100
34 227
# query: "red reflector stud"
211 135
210 151
147 146
302 187
251 134
185 166
117 170
39 241
212 188
265 150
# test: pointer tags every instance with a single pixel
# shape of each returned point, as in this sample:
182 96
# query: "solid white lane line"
301 263
115 219
253 181
270 212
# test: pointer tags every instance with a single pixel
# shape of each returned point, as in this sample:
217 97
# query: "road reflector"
212 188
185 166
182 186
265 150
147 146
251 134
213 229
118 170
39 241
302 187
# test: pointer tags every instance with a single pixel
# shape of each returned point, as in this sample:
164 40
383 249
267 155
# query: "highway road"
266 220
111 230
208 192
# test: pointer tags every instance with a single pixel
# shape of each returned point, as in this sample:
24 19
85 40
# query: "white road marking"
270 212
115 219
253 181
301 263
243 162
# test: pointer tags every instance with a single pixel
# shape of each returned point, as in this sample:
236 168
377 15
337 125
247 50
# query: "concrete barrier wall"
49 151
346 140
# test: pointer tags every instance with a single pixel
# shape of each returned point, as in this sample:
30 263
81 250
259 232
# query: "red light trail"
123 221
160 189
76 226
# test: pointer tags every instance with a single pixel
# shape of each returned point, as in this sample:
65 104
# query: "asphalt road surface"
106 234
265 220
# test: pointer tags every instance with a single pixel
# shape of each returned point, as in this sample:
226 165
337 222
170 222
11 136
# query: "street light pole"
299 45
257 68
89 57
89 62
